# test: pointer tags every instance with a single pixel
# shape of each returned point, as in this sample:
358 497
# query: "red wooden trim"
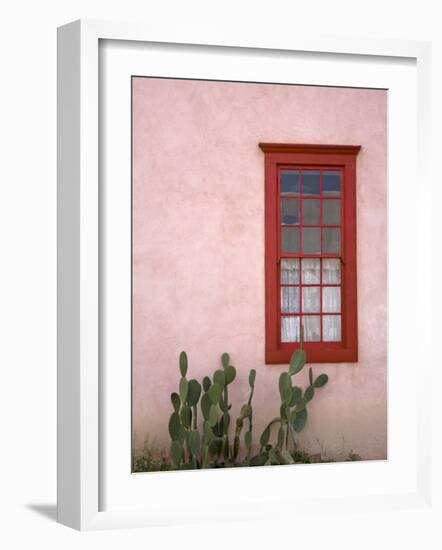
310 148
303 156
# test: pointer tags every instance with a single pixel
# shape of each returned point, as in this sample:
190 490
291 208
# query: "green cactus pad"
300 405
284 382
310 376
281 435
309 393
230 373
252 377
287 398
218 429
176 453
248 439
194 442
206 383
208 433
300 420
184 388
186 416
176 401
296 395
213 416
214 393
225 360
193 393
265 436
175 426
205 405
183 363
320 381
297 362
219 378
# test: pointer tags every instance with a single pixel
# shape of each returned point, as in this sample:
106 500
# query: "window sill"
316 353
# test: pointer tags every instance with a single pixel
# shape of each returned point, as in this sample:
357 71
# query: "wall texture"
198 249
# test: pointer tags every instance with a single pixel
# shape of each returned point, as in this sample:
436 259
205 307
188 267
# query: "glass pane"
312 328
310 182
331 240
289 182
331 182
290 239
290 299
290 211
290 271
331 271
310 211
331 212
331 328
311 240
310 299
331 299
310 271
290 329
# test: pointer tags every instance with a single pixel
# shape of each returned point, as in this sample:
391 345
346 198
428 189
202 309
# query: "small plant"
353 457
208 443
292 413
150 458
191 448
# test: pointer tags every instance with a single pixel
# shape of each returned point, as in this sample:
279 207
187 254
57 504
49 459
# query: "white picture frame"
79 275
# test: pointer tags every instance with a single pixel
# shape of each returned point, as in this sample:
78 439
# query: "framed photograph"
236 280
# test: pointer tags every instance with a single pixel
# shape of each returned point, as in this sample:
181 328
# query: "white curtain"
331 271
331 328
311 299
312 328
290 329
290 299
311 271
331 299
290 271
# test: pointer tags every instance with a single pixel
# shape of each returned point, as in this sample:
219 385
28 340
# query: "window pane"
290 239
312 328
331 299
289 182
290 211
310 211
331 328
290 271
310 182
310 271
331 212
331 240
311 240
290 299
331 271
331 182
310 299
290 329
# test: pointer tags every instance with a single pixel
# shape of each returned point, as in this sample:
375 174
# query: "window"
310 248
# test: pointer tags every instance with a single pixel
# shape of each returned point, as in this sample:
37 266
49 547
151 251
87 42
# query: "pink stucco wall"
198 249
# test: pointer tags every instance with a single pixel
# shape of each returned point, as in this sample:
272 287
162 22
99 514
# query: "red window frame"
324 157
